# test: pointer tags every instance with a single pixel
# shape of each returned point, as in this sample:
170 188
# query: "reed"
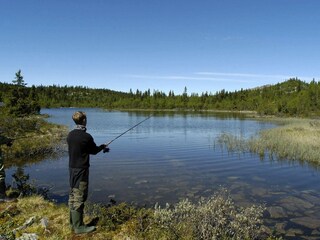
292 139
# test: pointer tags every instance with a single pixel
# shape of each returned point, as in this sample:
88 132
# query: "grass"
33 138
15 214
292 139
214 218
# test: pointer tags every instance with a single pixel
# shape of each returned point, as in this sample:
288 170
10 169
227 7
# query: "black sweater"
80 146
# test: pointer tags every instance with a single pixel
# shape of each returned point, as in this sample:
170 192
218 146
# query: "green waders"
79 180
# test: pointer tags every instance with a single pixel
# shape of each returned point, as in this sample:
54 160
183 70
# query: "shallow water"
173 156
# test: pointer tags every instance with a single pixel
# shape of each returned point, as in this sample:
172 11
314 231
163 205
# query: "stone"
315 232
281 227
277 212
258 179
261 192
293 203
293 232
233 178
28 236
310 198
141 182
44 222
28 223
308 222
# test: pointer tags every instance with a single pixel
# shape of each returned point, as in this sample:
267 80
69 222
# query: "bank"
34 217
33 136
293 139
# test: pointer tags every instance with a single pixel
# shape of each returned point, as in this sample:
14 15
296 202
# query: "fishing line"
106 149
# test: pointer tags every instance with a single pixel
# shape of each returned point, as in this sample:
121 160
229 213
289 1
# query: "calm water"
175 156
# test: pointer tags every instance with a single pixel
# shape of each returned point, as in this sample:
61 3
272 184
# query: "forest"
292 97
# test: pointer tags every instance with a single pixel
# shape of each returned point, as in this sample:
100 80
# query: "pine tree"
19 79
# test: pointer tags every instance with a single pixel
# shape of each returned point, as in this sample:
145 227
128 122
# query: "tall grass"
293 139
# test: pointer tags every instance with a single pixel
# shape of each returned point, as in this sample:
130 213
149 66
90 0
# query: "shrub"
214 218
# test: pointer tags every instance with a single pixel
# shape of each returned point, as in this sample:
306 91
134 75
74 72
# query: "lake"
173 156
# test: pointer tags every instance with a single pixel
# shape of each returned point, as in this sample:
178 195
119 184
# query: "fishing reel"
106 150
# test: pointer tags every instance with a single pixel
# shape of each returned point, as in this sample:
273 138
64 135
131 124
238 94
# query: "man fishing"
80 146
8 142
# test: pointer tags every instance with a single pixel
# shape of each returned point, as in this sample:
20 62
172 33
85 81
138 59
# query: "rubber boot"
77 223
2 190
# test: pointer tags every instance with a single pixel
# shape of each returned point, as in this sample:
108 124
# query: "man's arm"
93 148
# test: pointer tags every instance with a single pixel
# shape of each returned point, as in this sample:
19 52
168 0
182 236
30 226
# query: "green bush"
214 218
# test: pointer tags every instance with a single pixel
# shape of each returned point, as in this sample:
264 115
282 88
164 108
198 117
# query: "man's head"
80 118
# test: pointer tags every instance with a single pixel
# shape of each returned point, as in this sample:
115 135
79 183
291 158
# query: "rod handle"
106 150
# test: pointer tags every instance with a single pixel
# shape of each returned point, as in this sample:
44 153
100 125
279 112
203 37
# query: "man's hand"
105 148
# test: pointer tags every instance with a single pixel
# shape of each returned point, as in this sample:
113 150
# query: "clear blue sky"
205 45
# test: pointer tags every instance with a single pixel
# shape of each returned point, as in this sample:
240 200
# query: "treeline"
292 97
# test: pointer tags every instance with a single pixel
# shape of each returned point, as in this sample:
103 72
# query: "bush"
214 218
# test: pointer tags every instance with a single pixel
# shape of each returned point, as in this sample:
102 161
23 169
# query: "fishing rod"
107 149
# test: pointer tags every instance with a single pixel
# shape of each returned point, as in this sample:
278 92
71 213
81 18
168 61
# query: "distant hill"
291 97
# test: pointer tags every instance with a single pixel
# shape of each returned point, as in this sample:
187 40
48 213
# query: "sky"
163 45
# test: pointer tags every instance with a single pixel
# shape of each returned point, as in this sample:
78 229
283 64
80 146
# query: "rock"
29 222
310 198
280 227
309 238
266 230
277 212
278 193
315 232
233 178
292 232
163 190
44 222
308 222
28 236
141 182
259 179
293 203
261 192
190 195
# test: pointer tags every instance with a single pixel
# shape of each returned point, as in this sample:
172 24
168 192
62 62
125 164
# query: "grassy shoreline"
216 216
33 137
294 139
